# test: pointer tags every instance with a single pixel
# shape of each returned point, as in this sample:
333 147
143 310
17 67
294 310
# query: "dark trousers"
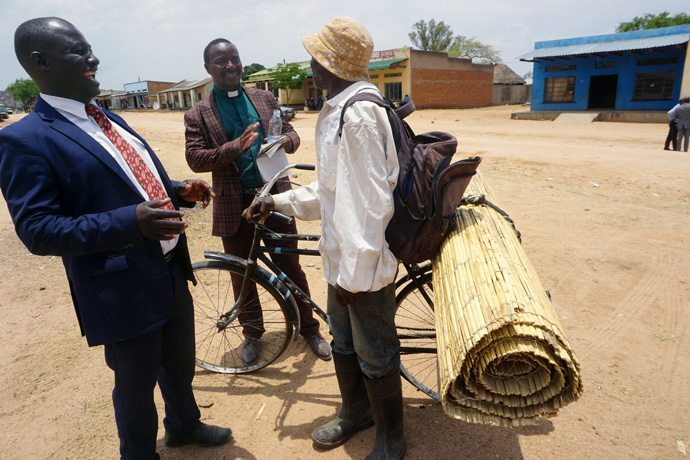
239 245
166 356
367 328
672 135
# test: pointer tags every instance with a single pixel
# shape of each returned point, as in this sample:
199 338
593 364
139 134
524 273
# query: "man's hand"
345 297
195 190
248 136
260 208
154 222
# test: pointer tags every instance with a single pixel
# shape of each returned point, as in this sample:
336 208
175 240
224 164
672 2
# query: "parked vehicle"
289 112
3 112
10 110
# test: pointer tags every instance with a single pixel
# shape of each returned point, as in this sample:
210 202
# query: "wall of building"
511 94
156 86
626 67
685 83
440 82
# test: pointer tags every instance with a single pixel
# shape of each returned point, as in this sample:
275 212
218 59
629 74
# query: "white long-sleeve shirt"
353 194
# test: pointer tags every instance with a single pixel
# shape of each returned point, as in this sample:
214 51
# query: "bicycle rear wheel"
414 320
219 350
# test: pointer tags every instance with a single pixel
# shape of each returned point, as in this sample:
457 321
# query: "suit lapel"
211 116
260 106
72 132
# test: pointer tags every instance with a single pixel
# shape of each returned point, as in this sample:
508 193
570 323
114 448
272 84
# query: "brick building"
431 79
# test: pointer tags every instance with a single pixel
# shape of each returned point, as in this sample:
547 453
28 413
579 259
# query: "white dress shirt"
353 194
75 112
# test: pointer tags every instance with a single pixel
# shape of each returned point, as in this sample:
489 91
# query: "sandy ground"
604 214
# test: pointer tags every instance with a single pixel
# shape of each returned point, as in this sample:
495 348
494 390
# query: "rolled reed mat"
502 356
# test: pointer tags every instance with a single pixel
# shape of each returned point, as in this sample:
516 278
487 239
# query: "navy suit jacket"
68 197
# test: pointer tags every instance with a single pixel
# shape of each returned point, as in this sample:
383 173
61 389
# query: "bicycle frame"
259 252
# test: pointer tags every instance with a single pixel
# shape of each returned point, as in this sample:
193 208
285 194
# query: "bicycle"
272 308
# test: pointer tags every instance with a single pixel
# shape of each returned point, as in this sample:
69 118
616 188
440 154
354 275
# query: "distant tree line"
438 36
653 21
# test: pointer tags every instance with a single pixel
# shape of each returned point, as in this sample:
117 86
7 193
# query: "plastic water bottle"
275 126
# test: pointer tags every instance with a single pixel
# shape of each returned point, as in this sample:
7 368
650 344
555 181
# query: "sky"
163 40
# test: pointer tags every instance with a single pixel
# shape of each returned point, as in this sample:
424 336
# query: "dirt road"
604 212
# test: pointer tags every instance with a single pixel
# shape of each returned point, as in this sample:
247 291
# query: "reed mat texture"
502 356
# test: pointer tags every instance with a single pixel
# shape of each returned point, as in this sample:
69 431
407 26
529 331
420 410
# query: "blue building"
641 70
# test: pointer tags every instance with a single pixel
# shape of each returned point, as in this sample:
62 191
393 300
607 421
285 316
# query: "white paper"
271 162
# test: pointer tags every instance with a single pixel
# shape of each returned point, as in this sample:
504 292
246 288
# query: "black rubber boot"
386 400
355 414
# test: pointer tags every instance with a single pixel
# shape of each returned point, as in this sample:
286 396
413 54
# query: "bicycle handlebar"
282 217
269 185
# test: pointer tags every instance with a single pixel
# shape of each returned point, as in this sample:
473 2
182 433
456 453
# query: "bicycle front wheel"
414 320
221 327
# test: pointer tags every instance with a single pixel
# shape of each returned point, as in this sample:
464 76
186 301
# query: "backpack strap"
394 121
361 96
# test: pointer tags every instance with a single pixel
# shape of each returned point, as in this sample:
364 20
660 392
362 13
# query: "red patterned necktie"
138 166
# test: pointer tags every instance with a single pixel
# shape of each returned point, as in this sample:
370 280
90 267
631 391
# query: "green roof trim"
385 64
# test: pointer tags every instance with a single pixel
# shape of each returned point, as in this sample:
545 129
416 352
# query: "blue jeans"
367 328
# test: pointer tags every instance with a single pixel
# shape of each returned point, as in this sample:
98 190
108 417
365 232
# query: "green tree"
288 77
471 48
432 36
251 69
23 91
653 21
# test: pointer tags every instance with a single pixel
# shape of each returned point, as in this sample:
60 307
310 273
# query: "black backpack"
429 187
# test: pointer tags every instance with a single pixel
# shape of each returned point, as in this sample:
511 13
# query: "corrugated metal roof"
186 85
607 47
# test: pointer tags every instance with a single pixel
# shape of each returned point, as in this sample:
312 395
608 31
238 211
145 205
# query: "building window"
389 75
658 61
560 68
373 76
559 89
198 96
605 65
654 86
394 91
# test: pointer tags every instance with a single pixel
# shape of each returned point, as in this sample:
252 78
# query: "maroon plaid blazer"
207 148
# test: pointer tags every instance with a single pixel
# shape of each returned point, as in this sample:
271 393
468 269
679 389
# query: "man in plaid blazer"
223 134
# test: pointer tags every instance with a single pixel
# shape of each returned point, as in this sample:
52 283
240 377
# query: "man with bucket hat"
353 197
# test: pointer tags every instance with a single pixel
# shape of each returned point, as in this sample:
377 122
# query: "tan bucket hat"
343 47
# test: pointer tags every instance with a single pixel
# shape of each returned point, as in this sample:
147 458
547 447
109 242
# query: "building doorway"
602 91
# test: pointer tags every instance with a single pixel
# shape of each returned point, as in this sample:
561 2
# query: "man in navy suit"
73 192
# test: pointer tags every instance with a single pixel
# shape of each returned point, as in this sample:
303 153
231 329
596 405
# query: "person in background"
672 136
681 113
81 184
353 198
223 135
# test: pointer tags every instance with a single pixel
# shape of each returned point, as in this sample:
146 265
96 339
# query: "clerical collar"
228 94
